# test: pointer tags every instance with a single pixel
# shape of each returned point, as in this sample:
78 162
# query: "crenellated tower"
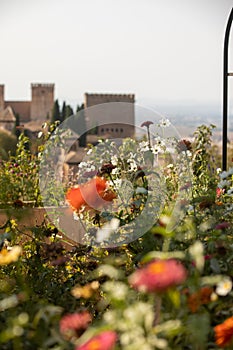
42 101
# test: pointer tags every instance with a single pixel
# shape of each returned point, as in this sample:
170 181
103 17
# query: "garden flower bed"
129 287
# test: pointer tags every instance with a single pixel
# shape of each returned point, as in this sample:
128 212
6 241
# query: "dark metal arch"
226 74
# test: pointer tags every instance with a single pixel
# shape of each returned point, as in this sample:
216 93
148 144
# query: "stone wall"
111 114
22 108
2 105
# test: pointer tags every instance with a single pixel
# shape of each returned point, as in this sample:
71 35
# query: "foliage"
50 281
7 144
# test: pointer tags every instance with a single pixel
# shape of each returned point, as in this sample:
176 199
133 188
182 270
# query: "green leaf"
199 327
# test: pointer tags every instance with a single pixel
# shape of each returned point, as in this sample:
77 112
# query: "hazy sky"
161 50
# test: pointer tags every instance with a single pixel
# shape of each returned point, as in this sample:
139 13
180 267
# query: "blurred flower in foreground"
103 341
92 194
224 287
75 324
158 276
201 297
224 333
107 229
184 145
85 291
222 225
8 256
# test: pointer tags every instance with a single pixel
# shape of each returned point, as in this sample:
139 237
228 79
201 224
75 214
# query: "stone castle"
111 114
110 118
38 109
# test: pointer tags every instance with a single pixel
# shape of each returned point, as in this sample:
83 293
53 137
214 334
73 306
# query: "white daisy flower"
224 287
156 149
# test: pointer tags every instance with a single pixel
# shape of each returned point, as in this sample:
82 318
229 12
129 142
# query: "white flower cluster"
164 123
226 181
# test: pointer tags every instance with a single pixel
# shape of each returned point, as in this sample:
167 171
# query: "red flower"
103 341
219 191
77 323
224 333
92 194
158 276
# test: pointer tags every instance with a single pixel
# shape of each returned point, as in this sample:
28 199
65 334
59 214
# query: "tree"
79 107
8 143
69 111
56 115
63 112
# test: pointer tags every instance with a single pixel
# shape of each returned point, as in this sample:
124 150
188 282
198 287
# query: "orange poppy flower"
92 194
224 333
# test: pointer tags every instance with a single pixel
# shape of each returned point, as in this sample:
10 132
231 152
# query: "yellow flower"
86 291
9 256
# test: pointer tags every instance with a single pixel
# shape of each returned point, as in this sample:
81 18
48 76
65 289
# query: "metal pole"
225 91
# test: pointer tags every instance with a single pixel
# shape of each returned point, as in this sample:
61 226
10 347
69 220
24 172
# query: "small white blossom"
156 149
132 164
159 141
223 183
224 287
164 123
40 134
107 229
114 160
144 146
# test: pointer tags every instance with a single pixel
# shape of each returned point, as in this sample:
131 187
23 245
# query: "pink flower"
158 276
222 225
77 323
103 341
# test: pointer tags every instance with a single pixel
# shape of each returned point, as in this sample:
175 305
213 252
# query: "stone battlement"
45 85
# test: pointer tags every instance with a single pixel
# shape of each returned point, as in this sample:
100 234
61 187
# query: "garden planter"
26 218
